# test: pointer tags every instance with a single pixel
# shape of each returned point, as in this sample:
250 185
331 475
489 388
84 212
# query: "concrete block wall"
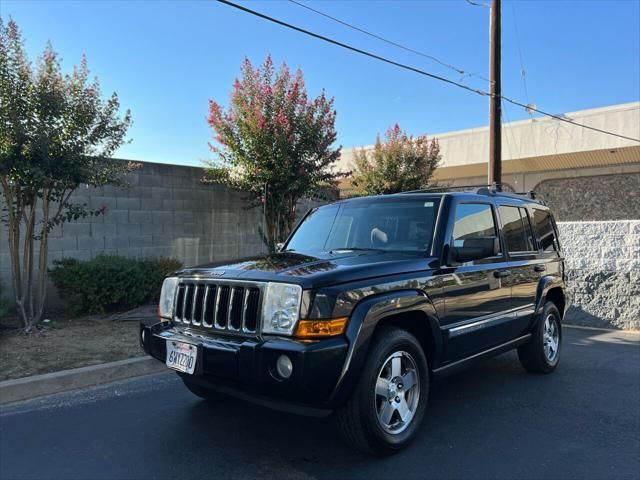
598 197
603 262
166 211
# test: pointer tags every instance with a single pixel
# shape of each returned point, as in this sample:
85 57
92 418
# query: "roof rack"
495 189
468 188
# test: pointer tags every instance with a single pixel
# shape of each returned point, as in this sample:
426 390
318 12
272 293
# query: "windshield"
398 225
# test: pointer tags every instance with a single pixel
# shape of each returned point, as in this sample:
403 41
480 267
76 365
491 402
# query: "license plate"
181 356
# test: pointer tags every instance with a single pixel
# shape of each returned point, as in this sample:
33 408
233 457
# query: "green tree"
399 164
274 143
56 133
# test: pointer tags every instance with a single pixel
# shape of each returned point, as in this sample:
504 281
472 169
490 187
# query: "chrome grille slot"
235 312
252 309
198 304
187 310
223 306
210 306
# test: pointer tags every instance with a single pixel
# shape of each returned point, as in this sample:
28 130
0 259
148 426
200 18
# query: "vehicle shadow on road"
248 440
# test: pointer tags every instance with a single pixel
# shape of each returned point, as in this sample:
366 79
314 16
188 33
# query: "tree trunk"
29 295
42 260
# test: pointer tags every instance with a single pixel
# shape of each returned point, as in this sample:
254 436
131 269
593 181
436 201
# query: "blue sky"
166 59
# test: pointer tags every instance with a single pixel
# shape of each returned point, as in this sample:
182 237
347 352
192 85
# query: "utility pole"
495 110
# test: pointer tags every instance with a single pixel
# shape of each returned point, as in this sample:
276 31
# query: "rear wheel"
389 402
199 390
542 353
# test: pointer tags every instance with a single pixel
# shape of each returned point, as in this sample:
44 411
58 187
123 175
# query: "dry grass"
60 345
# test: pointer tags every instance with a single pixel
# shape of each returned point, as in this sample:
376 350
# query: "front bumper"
247 365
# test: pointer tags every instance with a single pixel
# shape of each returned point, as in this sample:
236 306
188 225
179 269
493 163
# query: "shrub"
110 283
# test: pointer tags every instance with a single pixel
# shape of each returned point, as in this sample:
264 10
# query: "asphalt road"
494 421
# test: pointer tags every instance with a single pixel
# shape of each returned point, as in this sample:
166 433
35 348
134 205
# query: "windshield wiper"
356 249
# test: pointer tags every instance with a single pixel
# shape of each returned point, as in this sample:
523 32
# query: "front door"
477 297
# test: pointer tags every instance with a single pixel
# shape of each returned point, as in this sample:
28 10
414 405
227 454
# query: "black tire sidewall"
386 343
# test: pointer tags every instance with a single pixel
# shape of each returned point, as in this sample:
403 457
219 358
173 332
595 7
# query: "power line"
417 70
478 4
523 72
390 42
568 120
353 49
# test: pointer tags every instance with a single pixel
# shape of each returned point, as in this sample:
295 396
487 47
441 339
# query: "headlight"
281 308
167 294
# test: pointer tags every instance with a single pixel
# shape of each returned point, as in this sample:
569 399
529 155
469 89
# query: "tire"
542 353
199 390
361 419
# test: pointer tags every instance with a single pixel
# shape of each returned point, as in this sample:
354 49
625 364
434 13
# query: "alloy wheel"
551 338
397 392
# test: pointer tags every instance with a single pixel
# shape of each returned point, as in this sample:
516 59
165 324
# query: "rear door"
524 267
477 301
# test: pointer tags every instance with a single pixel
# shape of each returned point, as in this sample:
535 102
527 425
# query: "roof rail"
451 188
530 195
495 189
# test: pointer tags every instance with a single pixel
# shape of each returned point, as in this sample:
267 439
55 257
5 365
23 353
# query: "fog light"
284 366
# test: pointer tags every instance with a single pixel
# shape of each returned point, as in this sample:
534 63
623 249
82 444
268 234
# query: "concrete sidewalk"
40 385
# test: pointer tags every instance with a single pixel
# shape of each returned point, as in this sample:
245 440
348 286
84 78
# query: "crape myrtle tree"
274 143
398 164
56 133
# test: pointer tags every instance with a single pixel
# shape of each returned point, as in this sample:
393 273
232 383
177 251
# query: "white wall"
603 261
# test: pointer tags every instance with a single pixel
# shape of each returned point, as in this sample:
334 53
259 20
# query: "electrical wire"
353 49
417 70
523 72
390 42
478 4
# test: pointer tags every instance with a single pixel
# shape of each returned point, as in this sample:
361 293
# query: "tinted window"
472 220
318 220
544 229
383 225
516 229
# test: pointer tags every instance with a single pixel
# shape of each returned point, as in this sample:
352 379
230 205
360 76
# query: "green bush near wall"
110 283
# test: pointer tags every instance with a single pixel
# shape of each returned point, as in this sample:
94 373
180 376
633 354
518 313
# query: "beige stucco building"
555 158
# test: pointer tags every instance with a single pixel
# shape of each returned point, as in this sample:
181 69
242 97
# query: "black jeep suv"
369 301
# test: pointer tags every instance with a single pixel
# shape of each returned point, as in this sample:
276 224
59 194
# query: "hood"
315 271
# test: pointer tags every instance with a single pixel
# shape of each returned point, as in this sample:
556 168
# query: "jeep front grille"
219 306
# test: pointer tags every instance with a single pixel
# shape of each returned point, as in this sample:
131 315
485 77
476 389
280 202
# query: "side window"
544 229
472 220
516 229
527 228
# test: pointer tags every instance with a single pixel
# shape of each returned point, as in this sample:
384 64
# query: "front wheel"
542 353
389 402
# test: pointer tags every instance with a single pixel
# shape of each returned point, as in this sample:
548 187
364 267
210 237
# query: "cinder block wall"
600 197
603 261
166 211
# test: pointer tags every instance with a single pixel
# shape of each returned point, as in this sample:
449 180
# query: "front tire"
390 400
542 353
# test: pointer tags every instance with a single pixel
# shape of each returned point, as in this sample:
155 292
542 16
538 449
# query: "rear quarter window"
545 231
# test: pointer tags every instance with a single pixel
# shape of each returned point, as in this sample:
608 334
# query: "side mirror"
475 248
279 246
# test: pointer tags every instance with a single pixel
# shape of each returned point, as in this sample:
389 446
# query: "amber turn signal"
314 329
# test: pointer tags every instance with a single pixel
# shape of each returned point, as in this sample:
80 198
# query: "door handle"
501 273
539 268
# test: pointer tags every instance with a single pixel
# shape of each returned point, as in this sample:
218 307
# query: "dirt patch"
60 345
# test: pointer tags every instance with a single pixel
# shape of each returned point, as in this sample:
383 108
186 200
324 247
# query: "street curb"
600 329
65 380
